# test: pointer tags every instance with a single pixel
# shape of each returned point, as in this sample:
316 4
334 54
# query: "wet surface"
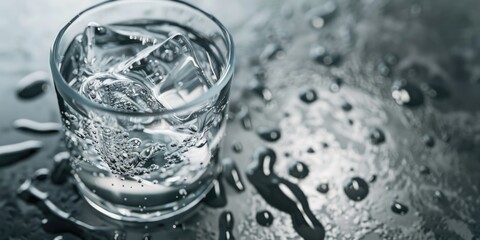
396 104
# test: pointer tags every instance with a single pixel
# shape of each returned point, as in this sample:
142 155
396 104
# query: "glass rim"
223 80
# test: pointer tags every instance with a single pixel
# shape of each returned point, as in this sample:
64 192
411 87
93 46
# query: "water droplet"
263 92
36 127
232 175
336 85
406 94
237 147
435 88
246 122
283 195
225 226
356 188
373 178
415 71
119 235
428 140
308 96
264 218
271 51
439 196
346 107
399 208
260 73
376 136
135 142
269 134
424 170
415 9
216 197
147 236
32 85
10 154
321 15
323 188
182 192
41 174
298 170
384 69
391 59
320 55
61 168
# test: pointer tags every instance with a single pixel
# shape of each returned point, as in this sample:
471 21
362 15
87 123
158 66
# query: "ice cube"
173 70
105 46
133 69
119 92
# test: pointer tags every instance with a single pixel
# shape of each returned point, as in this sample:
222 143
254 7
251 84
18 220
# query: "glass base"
164 213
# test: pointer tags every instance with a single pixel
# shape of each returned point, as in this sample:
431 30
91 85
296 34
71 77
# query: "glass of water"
143 89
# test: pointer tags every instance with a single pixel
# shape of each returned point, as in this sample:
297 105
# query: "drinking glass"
144 166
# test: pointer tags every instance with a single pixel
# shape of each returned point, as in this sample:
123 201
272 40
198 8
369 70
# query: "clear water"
143 165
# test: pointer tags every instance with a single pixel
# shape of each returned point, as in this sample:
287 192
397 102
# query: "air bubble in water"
135 142
182 192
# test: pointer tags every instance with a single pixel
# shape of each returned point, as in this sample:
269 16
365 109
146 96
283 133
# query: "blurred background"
381 95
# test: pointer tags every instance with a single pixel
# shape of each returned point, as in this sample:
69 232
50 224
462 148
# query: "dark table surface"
429 160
